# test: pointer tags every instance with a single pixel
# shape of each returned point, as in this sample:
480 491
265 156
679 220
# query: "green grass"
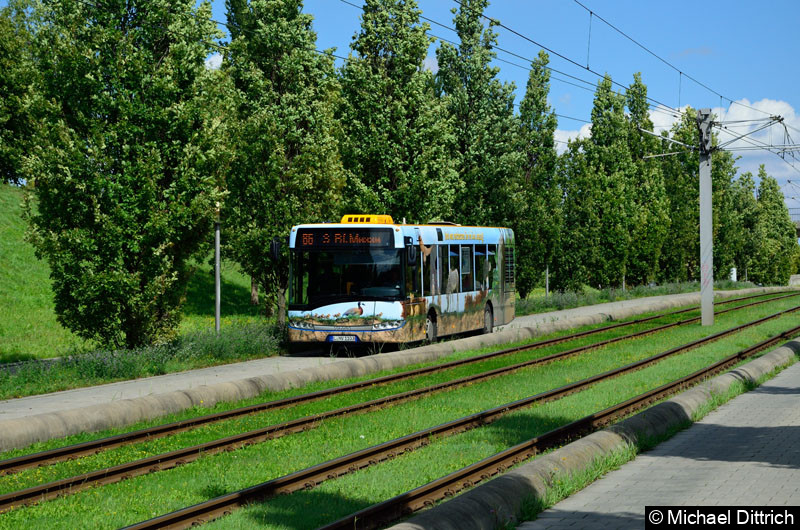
335 499
147 496
239 341
28 325
375 392
537 302
235 307
219 430
361 395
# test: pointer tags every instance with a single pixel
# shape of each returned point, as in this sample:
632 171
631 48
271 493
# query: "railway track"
406 503
312 476
96 446
185 455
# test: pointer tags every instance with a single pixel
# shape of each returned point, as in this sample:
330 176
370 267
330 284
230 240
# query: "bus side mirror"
412 255
275 249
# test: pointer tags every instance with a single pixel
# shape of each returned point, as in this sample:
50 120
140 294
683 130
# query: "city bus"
369 280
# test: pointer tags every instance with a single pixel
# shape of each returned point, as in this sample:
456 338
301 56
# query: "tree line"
132 147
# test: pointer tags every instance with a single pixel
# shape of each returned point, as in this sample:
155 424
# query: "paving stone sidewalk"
746 453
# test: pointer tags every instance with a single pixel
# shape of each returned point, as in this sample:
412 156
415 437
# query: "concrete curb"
21 432
500 500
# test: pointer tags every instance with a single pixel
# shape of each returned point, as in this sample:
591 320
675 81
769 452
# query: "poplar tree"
536 196
398 141
483 116
746 207
680 253
124 198
611 168
727 220
581 235
649 219
776 239
286 169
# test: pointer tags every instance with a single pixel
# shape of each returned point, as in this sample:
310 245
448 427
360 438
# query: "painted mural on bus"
367 279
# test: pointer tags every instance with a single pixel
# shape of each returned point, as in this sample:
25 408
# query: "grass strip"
61 454
537 302
150 448
222 407
148 496
182 456
238 425
332 499
313 387
192 350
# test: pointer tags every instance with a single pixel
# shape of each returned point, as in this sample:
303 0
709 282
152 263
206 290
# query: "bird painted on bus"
354 311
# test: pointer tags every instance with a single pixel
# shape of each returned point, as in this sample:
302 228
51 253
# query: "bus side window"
481 278
298 293
492 265
428 257
510 266
467 283
453 277
412 280
441 273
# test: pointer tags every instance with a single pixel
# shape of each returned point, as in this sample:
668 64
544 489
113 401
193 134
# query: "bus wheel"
430 328
488 319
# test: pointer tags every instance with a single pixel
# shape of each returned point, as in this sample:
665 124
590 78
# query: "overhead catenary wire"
427 19
759 145
656 107
667 138
767 147
748 133
681 73
664 154
590 85
550 50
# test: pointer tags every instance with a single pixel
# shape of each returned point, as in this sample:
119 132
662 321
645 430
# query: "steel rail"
424 496
92 447
314 475
185 455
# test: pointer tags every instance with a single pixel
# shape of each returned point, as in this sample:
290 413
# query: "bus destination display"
319 238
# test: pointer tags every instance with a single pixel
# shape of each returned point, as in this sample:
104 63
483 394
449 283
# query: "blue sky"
742 50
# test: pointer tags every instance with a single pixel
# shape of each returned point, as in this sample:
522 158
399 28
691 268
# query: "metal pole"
217 281
706 226
547 281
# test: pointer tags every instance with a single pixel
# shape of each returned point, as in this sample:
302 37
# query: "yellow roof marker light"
368 219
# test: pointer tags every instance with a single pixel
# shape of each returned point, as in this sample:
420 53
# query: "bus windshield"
320 277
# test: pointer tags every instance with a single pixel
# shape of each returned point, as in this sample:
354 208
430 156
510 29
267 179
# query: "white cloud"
750 116
562 136
739 111
664 118
759 112
214 61
431 64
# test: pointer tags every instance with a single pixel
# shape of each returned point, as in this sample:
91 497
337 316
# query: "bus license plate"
343 338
